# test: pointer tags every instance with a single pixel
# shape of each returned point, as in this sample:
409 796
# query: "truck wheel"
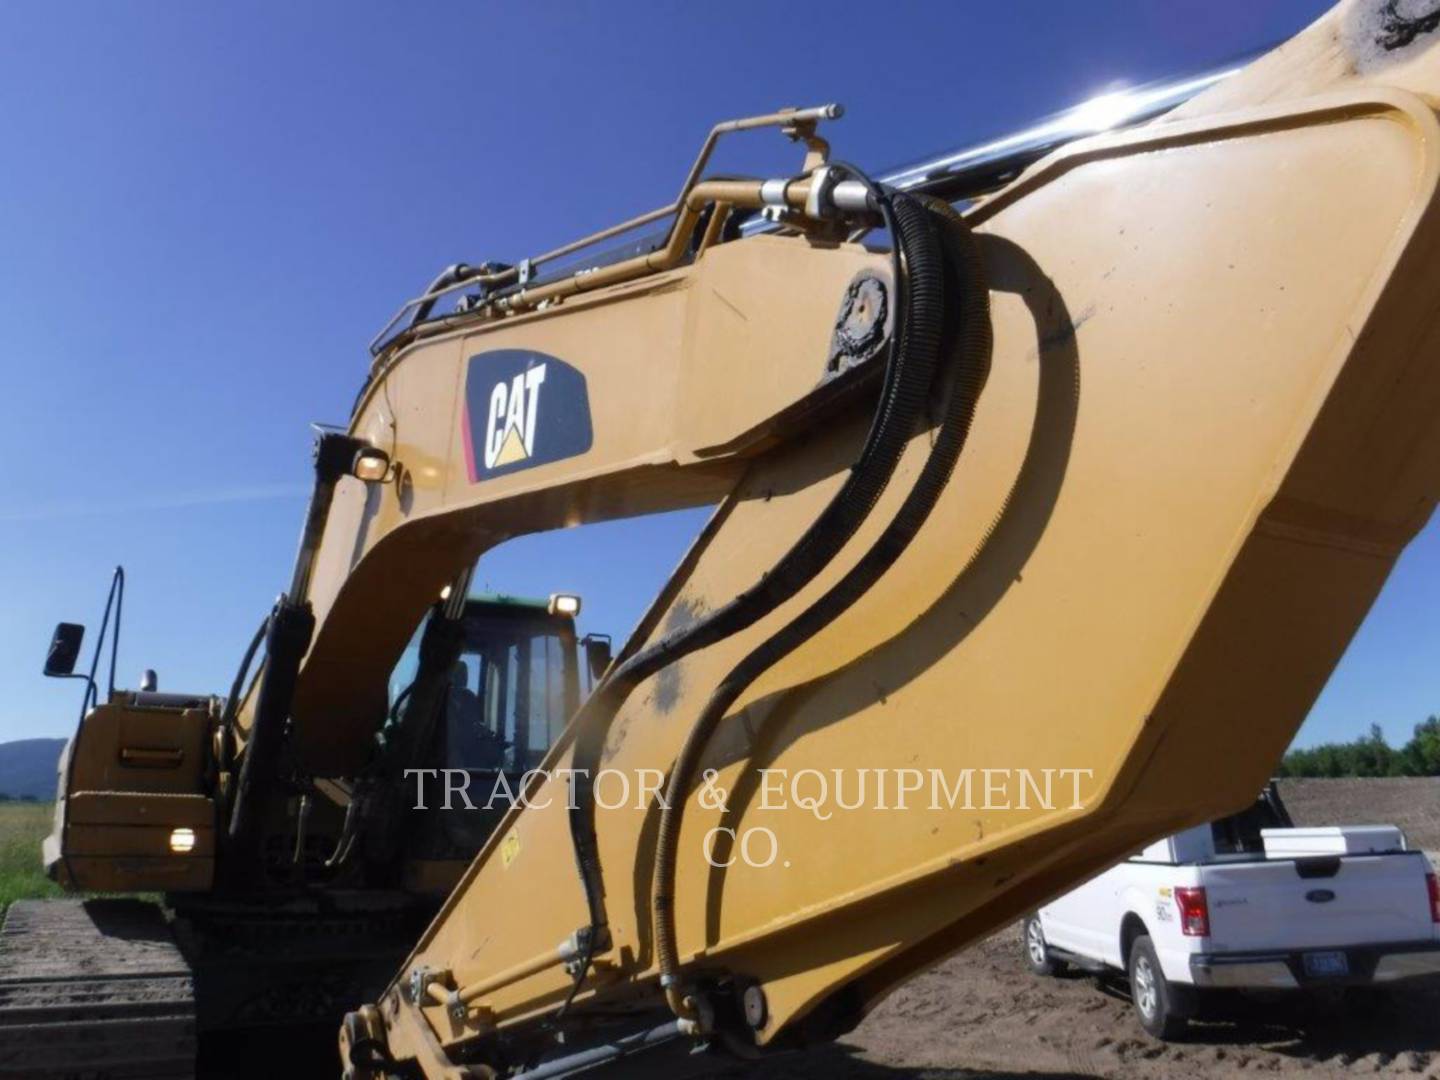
1154 998
1037 953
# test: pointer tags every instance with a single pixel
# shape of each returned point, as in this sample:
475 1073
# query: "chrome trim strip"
1251 974
1405 965
1011 153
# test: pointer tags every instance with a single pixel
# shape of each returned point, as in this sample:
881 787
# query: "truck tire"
1156 1001
1038 957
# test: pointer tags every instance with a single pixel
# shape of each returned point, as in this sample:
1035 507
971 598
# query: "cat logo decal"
522 408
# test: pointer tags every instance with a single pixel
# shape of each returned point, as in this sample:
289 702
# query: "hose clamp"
772 193
819 203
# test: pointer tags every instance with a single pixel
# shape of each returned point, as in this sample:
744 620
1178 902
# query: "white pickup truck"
1251 903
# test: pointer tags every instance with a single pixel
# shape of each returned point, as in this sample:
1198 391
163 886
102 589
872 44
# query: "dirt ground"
982 1015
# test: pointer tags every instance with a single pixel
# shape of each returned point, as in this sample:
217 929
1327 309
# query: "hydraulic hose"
909 371
287 637
968 347
232 703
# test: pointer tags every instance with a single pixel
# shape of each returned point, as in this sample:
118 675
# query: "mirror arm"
593 644
117 587
115 600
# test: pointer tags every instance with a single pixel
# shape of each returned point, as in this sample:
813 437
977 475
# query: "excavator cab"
514 682
513 686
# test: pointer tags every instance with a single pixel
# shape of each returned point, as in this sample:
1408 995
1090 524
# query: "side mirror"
597 654
64 649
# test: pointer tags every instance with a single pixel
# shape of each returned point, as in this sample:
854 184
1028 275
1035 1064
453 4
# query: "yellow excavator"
1050 480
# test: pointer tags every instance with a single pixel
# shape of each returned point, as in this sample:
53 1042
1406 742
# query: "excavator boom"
1203 434
1047 494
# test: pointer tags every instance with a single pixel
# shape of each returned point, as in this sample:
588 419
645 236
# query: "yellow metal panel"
124 808
132 748
136 873
107 841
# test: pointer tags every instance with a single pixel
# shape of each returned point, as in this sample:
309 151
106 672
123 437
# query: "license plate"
1321 964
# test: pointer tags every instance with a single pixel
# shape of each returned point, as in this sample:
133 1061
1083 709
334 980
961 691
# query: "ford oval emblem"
1319 896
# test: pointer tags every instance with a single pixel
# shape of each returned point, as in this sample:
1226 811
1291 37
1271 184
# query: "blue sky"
206 212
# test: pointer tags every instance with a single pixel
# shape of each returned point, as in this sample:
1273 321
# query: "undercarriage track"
94 989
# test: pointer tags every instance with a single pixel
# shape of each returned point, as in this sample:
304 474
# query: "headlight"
564 604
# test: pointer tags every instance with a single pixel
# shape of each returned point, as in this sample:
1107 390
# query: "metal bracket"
820 203
421 978
802 129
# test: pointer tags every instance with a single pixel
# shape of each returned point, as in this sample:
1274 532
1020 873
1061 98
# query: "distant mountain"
27 767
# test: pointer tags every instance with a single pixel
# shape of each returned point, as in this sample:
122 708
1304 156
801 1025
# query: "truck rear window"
1239 834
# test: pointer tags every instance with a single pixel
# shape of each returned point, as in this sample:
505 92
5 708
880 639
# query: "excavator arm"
1038 529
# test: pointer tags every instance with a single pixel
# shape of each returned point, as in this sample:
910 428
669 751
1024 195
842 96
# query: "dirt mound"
1413 803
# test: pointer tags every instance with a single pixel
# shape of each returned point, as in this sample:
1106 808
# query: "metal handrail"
115 600
799 120
963 173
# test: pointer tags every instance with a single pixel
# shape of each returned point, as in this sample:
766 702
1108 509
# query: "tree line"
1370 755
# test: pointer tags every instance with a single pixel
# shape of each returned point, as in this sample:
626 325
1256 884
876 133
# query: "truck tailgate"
1284 904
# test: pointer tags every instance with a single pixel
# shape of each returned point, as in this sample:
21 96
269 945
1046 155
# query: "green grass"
22 826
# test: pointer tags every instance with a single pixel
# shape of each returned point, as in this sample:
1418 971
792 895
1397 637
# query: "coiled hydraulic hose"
910 366
968 347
